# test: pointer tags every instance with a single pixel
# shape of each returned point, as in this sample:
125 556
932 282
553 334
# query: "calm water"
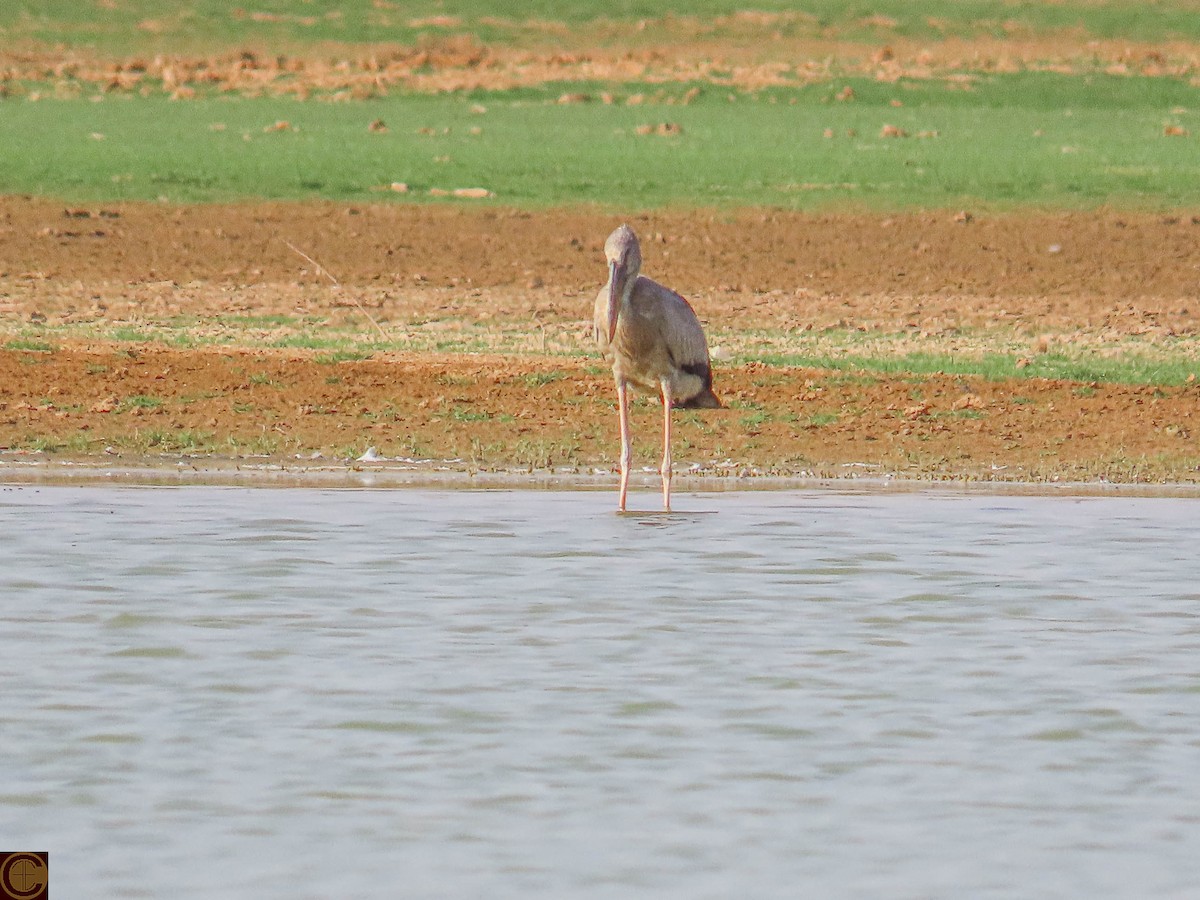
225 692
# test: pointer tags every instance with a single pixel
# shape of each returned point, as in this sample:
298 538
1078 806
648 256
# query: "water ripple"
523 694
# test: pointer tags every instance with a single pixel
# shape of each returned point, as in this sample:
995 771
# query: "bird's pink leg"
666 462
626 441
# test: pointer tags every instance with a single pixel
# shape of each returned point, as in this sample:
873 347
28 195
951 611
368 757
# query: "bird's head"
624 258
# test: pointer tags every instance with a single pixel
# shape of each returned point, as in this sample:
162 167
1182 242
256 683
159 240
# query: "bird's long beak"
616 283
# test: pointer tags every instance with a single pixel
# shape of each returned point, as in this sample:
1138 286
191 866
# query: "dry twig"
320 268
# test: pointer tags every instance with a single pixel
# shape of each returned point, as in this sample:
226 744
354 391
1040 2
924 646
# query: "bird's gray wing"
678 325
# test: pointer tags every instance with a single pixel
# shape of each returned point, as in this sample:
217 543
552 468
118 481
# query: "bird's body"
657 337
655 342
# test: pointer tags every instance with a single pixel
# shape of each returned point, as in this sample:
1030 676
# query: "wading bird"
655 342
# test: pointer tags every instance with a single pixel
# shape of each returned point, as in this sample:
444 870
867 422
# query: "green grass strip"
1045 140
1126 369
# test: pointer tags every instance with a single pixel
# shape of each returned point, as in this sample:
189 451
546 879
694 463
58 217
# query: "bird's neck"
627 290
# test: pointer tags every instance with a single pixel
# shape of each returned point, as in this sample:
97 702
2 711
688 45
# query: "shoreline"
451 475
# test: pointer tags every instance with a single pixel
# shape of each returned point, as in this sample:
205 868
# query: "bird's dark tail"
705 399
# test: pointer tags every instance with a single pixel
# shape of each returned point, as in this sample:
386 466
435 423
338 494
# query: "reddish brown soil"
746 51
68 276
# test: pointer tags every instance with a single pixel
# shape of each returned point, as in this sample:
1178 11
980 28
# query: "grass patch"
259 445
40 444
339 356
537 453
174 441
464 414
538 379
820 420
273 320
1127 369
452 380
1032 138
133 334
30 346
140 401
754 420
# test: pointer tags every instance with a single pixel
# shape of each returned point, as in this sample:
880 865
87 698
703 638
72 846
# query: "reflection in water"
410 693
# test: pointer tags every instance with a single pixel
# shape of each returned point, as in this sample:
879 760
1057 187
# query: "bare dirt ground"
745 51
141 330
